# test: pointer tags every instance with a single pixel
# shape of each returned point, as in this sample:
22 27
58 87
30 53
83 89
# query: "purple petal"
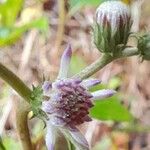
77 81
57 121
47 85
65 61
103 94
48 107
90 82
70 127
80 139
50 136
76 137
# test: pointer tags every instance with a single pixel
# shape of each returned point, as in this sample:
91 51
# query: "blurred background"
33 35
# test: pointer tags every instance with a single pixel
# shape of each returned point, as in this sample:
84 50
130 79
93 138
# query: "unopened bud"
144 46
112 26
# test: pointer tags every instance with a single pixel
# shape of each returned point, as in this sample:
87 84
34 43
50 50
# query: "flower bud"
144 46
112 26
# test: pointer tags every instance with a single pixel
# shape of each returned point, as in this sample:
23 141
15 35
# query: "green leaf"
9 11
2 147
11 144
114 83
81 3
110 109
40 23
76 5
10 35
77 64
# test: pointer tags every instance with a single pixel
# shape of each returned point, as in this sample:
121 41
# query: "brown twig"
22 125
61 27
23 107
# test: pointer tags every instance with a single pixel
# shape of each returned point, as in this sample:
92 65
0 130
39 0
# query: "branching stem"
104 60
22 110
17 84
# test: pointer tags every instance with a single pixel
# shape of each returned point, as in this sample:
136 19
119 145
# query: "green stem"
15 82
103 61
94 67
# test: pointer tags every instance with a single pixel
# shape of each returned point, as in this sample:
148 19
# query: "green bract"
112 26
144 46
36 102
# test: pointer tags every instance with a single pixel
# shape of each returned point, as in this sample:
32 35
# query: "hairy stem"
22 125
15 82
104 60
94 67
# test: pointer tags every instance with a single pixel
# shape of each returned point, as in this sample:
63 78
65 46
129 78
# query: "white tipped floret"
90 82
101 94
50 138
65 61
47 85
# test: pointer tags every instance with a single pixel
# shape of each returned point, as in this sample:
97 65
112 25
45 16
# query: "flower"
112 26
68 104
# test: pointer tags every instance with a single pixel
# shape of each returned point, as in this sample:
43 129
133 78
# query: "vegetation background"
33 35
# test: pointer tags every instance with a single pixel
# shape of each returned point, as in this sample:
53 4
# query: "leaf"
38 128
77 64
110 109
2 147
81 3
11 144
114 83
76 5
9 11
40 23
10 35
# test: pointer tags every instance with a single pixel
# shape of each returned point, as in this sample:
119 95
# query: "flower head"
112 27
68 104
